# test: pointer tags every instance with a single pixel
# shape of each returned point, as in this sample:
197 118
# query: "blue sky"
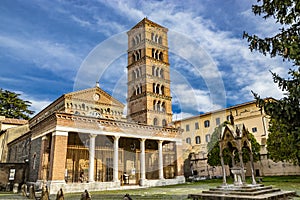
48 48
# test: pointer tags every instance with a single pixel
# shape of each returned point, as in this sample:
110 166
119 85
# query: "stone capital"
160 141
142 139
116 137
92 135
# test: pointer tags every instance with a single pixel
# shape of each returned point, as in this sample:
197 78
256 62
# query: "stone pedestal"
245 192
237 173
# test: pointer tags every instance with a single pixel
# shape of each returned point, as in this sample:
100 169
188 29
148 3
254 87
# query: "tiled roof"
13 121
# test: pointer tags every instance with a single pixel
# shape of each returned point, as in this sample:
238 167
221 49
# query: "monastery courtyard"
174 191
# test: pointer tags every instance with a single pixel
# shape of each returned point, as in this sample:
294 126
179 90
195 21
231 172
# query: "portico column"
160 160
116 159
92 158
179 159
143 167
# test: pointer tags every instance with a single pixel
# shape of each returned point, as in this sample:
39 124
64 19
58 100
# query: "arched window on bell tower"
154 105
162 90
160 40
153 70
157 72
163 107
164 122
155 122
162 73
158 106
160 56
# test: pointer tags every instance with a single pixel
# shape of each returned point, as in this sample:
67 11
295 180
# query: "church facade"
82 139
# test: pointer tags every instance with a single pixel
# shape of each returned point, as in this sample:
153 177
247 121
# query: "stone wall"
19 176
9 136
34 159
18 150
268 167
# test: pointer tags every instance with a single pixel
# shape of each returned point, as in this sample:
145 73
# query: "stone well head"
234 137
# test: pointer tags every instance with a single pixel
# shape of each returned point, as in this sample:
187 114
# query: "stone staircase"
245 192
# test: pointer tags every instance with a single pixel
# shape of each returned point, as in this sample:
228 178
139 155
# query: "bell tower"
149 96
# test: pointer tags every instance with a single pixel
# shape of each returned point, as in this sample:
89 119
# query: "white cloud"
190 99
108 27
100 60
259 26
90 15
43 53
181 115
126 8
81 22
262 84
36 104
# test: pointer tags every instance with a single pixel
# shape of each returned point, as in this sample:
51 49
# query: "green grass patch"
178 192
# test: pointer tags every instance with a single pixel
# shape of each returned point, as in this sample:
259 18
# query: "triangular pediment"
93 95
89 102
227 132
232 132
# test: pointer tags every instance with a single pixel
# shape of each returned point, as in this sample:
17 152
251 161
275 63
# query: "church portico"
96 153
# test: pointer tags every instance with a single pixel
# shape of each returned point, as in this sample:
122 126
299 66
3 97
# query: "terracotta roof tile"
13 121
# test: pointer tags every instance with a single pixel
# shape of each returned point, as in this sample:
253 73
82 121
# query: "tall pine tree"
283 143
12 106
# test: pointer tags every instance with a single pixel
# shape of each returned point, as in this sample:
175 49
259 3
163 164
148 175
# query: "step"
243 193
242 186
242 189
279 195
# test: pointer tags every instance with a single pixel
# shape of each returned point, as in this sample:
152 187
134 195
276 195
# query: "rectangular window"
254 129
188 140
196 125
206 123
198 140
228 118
207 138
187 127
218 121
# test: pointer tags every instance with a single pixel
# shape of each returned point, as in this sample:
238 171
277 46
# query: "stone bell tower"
149 96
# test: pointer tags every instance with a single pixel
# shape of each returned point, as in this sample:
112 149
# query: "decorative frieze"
68 120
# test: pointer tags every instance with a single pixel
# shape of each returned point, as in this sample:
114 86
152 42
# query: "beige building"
198 130
10 129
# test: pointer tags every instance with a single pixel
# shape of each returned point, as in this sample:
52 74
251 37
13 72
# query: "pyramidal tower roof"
148 22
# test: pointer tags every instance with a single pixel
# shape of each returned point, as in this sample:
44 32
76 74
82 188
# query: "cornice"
108 125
